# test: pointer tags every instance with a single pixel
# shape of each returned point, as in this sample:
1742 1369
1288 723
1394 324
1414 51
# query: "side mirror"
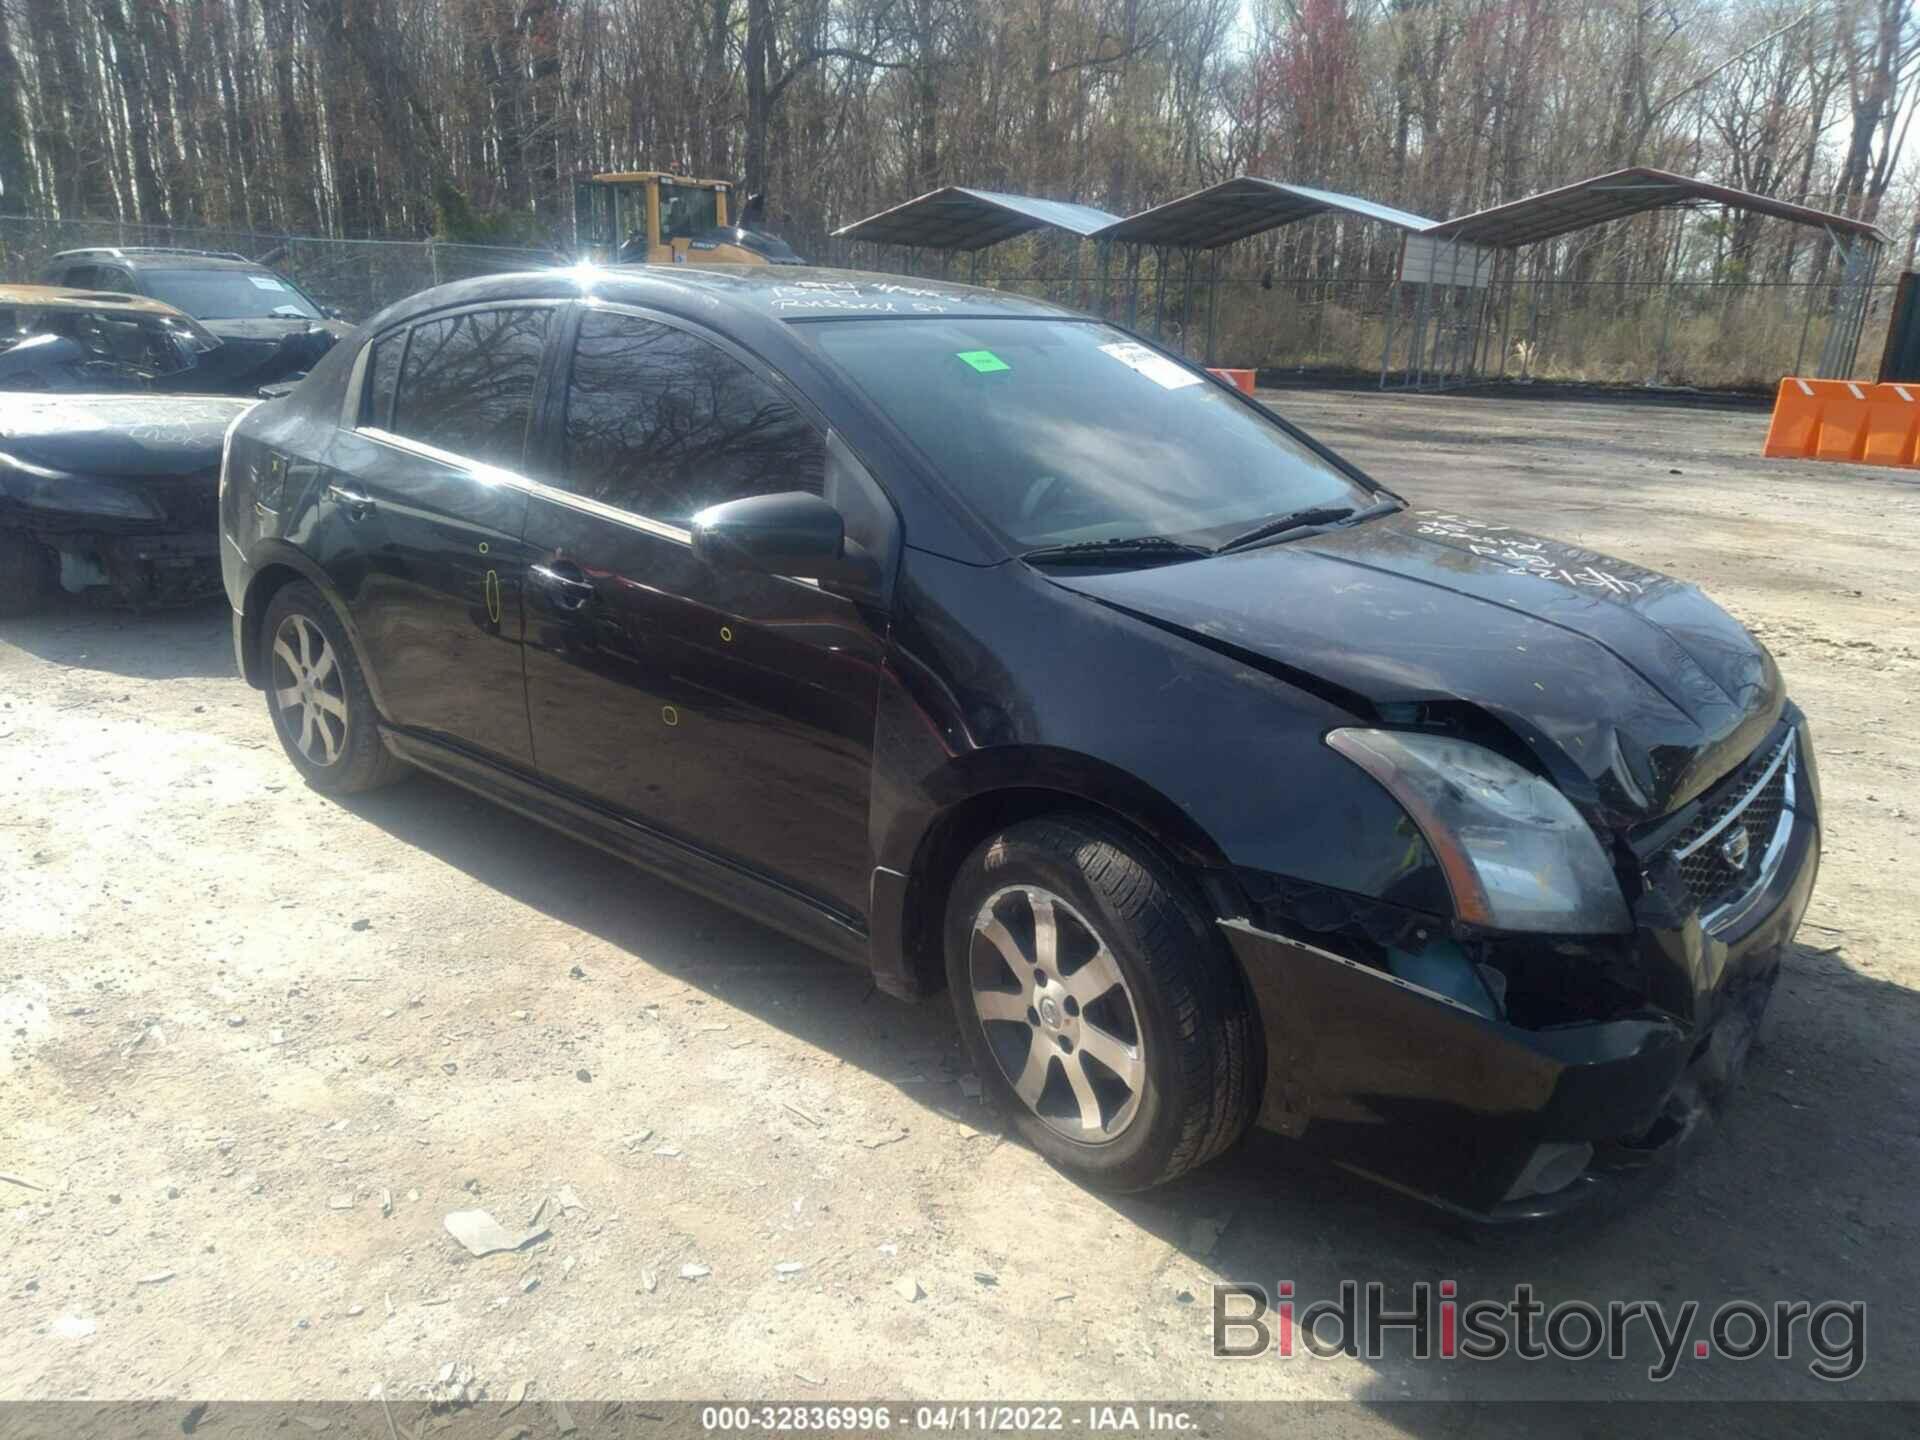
793 533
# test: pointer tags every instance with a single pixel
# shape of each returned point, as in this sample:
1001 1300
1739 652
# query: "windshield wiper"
1281 525
1124 548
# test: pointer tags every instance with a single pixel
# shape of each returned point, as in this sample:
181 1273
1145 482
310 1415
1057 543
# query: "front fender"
996 677
929 827
998 680
1072 775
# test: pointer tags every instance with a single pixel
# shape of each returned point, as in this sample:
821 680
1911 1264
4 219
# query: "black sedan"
996 650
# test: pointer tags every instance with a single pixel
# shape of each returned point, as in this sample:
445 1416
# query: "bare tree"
1878 44
470 118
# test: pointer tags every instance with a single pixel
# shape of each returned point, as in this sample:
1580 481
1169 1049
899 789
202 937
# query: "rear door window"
466 385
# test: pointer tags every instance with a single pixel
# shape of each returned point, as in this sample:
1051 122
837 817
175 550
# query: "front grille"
1733 844
190 501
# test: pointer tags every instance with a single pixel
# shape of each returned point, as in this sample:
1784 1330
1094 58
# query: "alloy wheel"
308 690
1057 1013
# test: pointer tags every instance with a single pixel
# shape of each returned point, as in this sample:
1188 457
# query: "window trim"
513 479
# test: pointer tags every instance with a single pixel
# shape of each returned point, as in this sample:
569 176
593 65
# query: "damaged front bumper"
130 566
149 541
157 570
1499 1121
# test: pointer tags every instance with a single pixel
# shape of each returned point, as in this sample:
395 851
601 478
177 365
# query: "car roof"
773 292
160 257
59 297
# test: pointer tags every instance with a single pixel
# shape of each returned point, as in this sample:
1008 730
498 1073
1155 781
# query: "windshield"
1066 431
687 210
229 294
158 344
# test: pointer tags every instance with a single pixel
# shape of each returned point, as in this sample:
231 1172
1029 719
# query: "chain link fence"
1680 333
356 277
1711 336
1664 333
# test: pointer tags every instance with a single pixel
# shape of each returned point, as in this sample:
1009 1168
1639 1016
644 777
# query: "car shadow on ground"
190 642
1802 1191
730 956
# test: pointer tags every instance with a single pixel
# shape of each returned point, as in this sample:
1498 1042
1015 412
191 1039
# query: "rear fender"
271 559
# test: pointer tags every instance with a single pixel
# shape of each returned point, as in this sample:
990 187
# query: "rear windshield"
228 294
1060 431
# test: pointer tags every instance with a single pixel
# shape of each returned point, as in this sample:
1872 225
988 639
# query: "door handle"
568 584
358 506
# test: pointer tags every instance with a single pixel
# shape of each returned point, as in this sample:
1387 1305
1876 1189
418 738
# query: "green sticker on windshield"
985 361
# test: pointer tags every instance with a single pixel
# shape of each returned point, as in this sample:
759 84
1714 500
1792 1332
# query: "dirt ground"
257 1044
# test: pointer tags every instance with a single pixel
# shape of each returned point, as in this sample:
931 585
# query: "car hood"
268 329
129 436
1613 674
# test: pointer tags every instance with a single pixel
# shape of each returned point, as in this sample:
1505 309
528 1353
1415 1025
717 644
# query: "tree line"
468 119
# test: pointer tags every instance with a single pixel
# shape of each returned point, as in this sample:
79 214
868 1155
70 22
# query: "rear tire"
318 697
28 575
1124 1047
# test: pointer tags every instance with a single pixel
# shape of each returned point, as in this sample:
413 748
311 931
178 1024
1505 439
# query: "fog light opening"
1442 967
80 571
1551 1168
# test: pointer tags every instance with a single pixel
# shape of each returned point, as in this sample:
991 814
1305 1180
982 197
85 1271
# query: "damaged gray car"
94 342
112 496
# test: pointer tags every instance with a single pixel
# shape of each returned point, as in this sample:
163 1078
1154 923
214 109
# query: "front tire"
1101 1008
318 697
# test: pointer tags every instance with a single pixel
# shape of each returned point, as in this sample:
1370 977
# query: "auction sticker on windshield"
985 361
1156 367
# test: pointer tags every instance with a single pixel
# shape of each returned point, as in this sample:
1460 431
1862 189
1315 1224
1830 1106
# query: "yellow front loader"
651 217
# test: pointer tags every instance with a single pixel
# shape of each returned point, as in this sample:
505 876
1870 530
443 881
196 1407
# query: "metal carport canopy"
1243 206
1613 196
959 218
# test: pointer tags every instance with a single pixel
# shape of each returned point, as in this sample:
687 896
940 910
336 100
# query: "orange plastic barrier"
1241 378
1894 431
1846 420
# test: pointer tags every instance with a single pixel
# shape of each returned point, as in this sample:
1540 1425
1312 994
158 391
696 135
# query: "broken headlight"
1516 854
57 492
